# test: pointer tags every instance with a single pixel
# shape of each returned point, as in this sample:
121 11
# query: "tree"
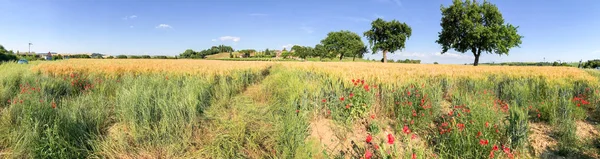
360 53
387 36
470 26
344 43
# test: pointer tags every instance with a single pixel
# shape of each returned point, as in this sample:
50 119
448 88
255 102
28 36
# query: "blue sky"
557 30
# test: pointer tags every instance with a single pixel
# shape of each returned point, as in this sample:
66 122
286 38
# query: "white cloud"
307 29
164 26
288 46
130 17
258 14
214 40
412 54
453 55
230 38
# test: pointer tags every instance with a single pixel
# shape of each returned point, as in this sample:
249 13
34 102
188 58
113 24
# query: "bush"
435 63
122 57
7 57
160 57
146 56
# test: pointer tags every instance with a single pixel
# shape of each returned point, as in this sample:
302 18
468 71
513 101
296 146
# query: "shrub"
121 56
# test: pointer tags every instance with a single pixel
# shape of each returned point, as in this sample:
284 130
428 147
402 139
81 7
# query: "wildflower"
369 138
483 142
491 154
460 126
414 156
324 100
351 95
390 139
412 122
353 81
413 136
366 87
495 148
342 98
406 130
372 116
53 105
478 134
487 124
8 101
297 111
328 112
450 113
368 154
539 115
408 93
167 77
41 101
362 81
347 106
376 147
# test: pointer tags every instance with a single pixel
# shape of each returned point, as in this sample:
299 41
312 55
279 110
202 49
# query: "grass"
253 109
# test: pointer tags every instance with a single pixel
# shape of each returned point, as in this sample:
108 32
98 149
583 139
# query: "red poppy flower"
460 126
324 100
495 148
413 136
297 111
506 149
368 154
376 147
353 81
406 130
347 106
53 105
328 111
351 95
491 154
342 98
414 156
390 139
372 116
450 113
408 93
487 124
539 115
478 134
362 81
369 138
483 142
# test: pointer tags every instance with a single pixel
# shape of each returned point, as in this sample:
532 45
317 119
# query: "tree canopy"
470 26
189 53
342 43
387 36
303 51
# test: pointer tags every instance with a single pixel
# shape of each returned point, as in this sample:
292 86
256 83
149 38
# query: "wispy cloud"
307 29
164 26
356 19
214 40
131 26
452 55
130 17
258 14
230 38
397 2
288 46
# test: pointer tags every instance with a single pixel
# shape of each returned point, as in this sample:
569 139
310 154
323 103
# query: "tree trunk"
354 57
476 53
384 56
341 56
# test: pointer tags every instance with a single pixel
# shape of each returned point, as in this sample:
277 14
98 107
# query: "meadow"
149 108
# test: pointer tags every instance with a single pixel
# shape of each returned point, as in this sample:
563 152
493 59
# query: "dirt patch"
540 138
446 106
586 130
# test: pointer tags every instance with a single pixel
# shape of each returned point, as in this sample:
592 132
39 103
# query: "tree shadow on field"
552 154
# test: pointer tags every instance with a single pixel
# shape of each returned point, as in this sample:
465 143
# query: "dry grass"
392 72
119 66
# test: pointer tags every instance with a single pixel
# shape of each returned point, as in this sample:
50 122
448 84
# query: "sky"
552 30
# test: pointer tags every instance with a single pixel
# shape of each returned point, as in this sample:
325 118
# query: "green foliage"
121 56
189 53
518 128
387 36
592 63
435 63
80 56
146 57
342 43
470 26
303 51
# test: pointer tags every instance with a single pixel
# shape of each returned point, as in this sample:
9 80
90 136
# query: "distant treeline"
189 53
529 64
402 61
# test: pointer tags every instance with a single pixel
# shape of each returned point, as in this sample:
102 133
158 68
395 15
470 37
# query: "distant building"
49 56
